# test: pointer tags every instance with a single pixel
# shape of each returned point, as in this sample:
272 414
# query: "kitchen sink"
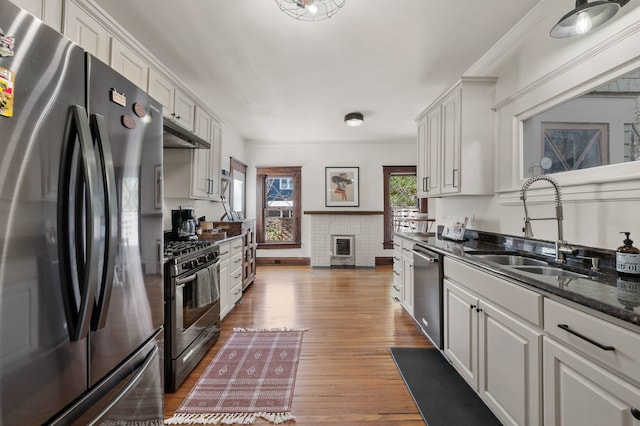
551 271
511 259
523 263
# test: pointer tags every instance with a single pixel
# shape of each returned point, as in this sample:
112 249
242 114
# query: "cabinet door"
510 377
85 30
422 172
201 185
433 147
578 392
451 140
129 64
162 91
225 297
407 284
461 331
184 110
214 162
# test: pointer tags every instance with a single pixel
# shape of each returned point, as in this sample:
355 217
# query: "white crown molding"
597 49
126 38
514 36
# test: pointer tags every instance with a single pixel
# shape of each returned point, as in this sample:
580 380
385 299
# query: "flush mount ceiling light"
585 17
353 119
310 10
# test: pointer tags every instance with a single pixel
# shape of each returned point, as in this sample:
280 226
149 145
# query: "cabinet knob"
635 413
478 309
473 307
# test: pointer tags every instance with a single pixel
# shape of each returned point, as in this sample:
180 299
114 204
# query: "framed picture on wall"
342 186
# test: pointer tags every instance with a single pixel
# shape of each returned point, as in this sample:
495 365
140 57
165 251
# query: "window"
400 196
238 194
279 205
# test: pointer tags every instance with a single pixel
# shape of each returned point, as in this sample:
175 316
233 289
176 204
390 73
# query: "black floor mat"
441 394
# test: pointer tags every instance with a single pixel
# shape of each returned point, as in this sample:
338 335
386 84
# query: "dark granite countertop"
603 291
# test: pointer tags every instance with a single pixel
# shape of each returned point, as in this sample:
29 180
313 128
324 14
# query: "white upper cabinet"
50 11
202 184
85 30
129 64
176 105
429 134
456 139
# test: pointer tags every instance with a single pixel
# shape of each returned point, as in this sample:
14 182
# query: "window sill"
279 245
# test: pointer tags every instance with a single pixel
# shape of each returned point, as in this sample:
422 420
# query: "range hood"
175 136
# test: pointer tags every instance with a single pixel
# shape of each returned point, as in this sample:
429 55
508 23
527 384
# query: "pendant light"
585 17
310 10
353 119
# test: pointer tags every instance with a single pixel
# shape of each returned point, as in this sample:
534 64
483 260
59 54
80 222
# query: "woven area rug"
252 376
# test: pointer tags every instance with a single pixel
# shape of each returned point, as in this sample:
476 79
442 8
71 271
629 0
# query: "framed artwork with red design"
342 187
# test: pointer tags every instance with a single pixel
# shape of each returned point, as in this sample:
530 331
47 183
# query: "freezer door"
132 394
127 131
41 369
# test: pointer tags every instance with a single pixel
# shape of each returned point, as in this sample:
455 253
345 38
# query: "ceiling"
275 79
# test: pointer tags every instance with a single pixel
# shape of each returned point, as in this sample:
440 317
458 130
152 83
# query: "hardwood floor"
346 375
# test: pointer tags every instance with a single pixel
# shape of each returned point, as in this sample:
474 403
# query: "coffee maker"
183 224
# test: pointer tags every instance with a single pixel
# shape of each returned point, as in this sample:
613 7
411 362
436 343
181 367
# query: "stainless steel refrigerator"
81 285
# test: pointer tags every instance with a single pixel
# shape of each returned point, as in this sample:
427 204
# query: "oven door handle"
180 282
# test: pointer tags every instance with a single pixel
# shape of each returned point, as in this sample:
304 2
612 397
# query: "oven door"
197 294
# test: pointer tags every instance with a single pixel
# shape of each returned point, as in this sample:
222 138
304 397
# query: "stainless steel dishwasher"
427 293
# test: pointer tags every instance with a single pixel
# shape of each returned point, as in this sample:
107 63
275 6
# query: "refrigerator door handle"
103 149
146 364
77 272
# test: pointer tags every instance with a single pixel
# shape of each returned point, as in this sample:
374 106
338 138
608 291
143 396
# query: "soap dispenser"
628 258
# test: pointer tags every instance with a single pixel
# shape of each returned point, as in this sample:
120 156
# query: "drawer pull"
566 328
635 413
396 288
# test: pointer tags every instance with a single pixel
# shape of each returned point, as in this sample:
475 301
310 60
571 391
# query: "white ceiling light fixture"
353 119
585 17
310 10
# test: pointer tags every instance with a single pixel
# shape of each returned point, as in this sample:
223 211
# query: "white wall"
313 158
536 72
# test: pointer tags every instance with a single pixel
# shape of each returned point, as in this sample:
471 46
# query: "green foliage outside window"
403 192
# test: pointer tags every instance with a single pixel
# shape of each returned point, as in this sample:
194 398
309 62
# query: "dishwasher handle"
425 256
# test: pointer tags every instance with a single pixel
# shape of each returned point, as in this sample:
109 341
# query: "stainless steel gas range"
192 307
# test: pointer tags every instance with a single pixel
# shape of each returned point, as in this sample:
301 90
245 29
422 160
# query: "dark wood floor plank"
346 374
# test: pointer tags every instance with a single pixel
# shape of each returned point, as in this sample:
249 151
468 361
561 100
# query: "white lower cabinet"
497 352
230 275
591 370
407 276
578 392
396 290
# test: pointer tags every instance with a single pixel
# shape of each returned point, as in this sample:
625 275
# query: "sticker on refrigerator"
7 81
118 98
6 44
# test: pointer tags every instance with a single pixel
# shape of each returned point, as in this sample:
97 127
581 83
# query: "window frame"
279 172
387 172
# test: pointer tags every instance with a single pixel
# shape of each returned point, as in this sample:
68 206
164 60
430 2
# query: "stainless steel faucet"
562 247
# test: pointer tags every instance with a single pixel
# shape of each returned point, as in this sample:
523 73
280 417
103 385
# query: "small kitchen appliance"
183 224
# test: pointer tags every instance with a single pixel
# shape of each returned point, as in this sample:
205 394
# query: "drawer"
236 246
236 293
236 261
623 359
235 277
225 251
523 302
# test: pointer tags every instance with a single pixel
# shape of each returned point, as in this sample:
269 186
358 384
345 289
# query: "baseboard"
305 261
301 261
